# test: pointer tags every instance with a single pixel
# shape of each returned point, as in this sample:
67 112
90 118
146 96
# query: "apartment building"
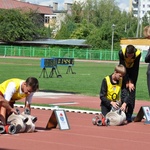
140 8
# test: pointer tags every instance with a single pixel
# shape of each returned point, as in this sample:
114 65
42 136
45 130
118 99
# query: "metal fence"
48 52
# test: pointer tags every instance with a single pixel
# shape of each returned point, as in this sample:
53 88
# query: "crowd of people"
121 84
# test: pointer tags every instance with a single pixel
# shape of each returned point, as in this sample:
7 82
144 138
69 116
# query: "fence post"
45 52
5 52
100 55
30 51
73 53
49 51
87 54
68 53
11 51
19 53
33 52
59 54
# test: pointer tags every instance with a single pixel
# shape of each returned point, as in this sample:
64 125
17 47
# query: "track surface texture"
82 135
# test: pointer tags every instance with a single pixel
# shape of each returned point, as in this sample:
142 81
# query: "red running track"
82 135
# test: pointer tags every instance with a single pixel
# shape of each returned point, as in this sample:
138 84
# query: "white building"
79 1
140 7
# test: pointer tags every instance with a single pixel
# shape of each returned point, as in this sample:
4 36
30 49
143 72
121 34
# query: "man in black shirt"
130 58
147 57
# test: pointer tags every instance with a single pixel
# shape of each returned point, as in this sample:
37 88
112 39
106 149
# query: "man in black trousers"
130 58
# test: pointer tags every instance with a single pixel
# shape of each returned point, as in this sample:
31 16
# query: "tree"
67 28
93 21
82 30
17 25
146 19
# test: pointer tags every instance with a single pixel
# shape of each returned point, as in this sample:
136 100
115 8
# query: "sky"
123 4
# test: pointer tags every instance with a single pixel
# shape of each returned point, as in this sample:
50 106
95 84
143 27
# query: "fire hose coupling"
100 120
8 129
24 122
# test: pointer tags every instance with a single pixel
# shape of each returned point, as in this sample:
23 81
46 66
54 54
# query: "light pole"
112 42
139 11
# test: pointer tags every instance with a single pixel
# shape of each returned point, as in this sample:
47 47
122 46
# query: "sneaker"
129 121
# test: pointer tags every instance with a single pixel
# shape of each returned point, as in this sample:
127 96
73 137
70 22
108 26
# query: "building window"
54 17
46 19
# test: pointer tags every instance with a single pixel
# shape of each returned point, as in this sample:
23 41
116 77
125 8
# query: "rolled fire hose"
9 129
19 121
2 129
30 126
23 122
116 118
100 120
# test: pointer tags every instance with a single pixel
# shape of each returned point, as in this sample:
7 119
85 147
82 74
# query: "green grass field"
86 81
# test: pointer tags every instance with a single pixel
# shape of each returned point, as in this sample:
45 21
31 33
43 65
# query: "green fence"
48 52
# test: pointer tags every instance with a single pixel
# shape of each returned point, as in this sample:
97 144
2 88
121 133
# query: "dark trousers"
105 109
125 93
148 78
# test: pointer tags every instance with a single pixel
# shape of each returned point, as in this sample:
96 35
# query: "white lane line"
64 103
65 109
50 94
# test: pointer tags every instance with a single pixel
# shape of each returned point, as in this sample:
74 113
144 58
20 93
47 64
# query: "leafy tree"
66 29
146 19
17 25
93 21
82 30
77 12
